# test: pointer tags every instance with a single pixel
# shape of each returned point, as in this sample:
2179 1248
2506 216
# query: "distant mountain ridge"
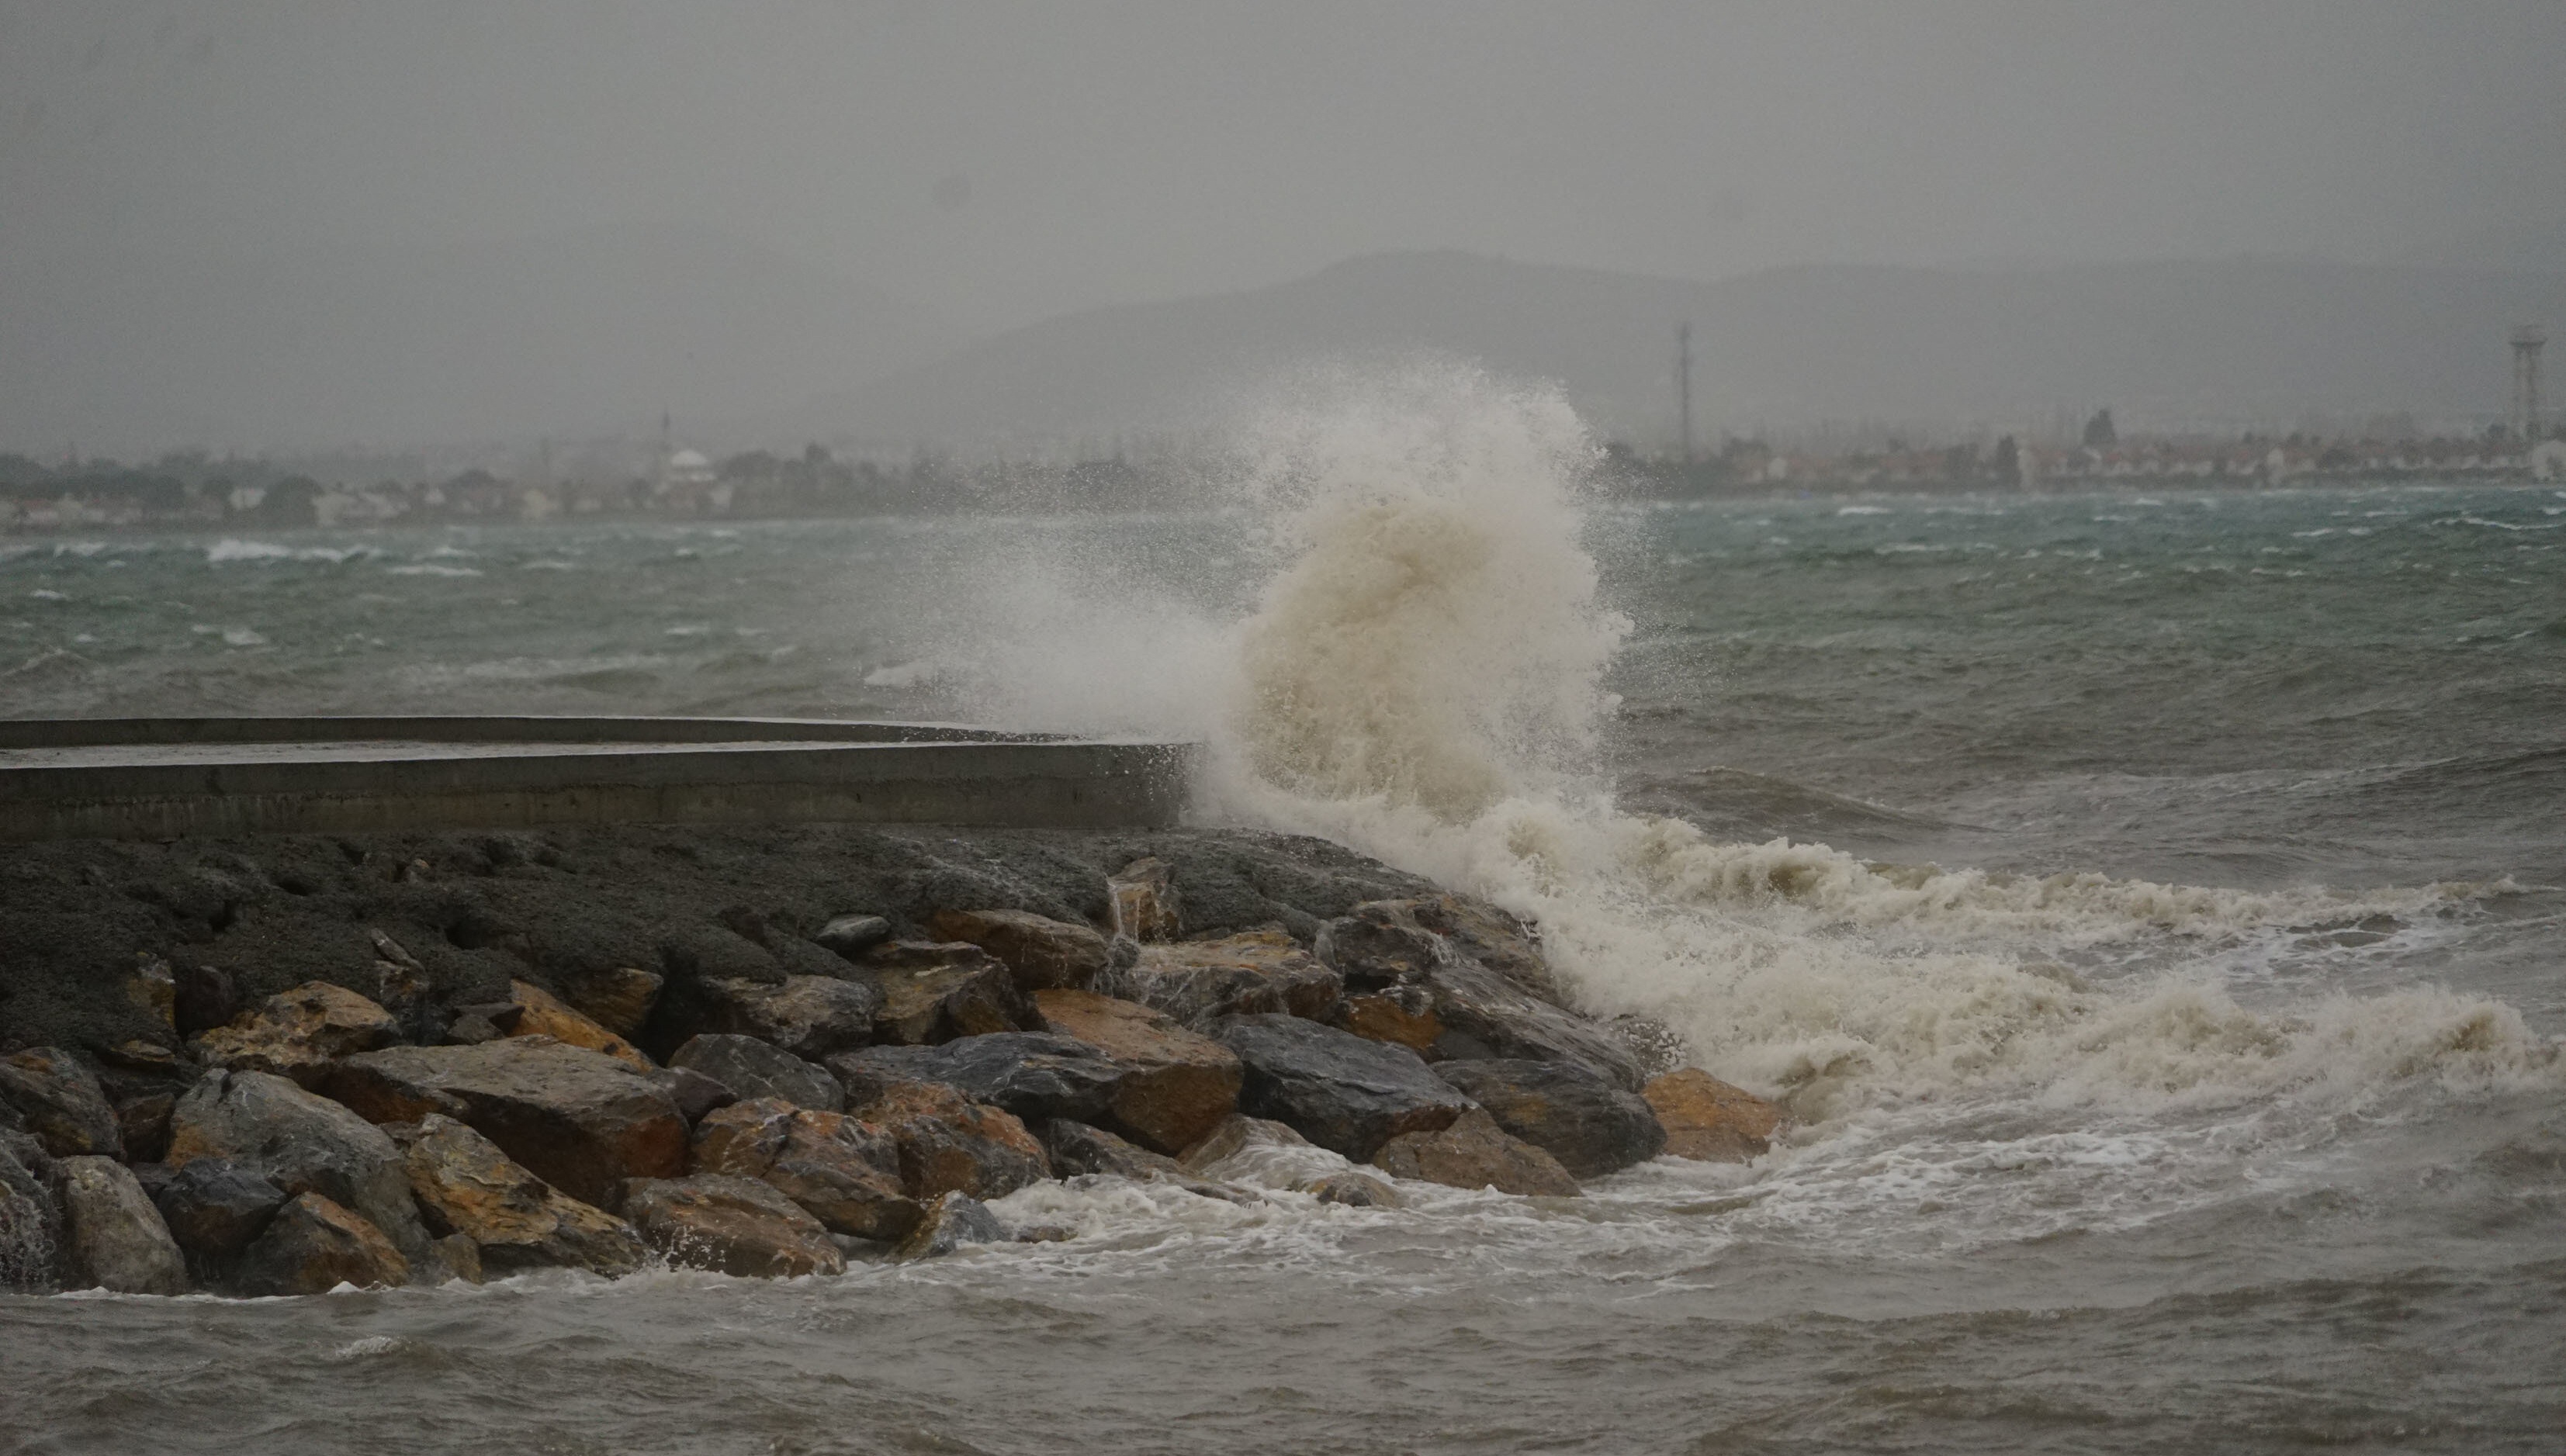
2221 338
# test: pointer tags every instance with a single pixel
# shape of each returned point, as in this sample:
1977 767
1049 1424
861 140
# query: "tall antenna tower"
1683 386
2526 342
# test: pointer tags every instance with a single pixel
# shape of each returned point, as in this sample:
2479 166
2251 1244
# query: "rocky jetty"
293 1063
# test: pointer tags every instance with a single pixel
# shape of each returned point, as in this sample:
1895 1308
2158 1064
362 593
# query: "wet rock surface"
542 1014
1078 1149
750 1069
467 1187
115 1238
580 1121
936 991
1171 1086
1587 1122
949 1145
950 1223
1474 1152
1339 1090
808 1016
302 1142
1033 1075
314 1244
731 1225
1709 1120
296 1034
57 1100
214 1207
842 1171
1254 972
1044 953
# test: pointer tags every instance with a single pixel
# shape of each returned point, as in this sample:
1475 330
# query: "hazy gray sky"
999 162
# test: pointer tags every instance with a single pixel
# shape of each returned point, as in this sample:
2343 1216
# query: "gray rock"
852 935
1338 1090
115 1236
1077 1149
750 1069
307 1144
1034 1074
949 1223
694 1093
808 1016
1354 1190
59 1100
314 1244
1587 1123
731 1225
214 1207
205 997
935 991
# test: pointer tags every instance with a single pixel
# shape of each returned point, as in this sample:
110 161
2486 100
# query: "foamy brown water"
2145 903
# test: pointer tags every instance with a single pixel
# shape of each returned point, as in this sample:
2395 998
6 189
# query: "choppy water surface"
2224 1111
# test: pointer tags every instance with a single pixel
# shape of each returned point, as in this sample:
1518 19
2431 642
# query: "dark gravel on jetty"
478 909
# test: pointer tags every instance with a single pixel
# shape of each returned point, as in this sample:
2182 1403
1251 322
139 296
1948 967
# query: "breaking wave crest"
1422 677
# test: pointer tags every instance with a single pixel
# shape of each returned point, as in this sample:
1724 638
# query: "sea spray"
1420 674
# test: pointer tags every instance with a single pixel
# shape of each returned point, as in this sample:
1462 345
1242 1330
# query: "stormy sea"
2146 904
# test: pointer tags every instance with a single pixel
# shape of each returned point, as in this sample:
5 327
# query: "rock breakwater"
291 1064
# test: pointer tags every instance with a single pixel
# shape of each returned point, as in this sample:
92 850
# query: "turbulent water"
2146 902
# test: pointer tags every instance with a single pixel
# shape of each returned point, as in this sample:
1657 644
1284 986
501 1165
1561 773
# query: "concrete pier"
167 777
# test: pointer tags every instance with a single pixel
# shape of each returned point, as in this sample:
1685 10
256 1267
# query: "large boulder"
1145 904
950 1222
1173 1086
948 1143
1078 1149
214 1207
1044 953
578 1119
298 1033
514 1220
840 1172
1033 1075
932 992
617 998
116 1237
303 1145
1341 1091
752 1069
808 1016
313 1245
731 1225
1474 1152
1576 1115
30 1218
542 1014
1410 983
1237 1135
852 935
1254 972
59 1100
1707 1119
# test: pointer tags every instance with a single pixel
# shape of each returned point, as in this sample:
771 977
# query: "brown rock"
749 1069
59 1101
1237 1135
117 1238
303 1144
142 1126
618 998
950 1145
1709 1120
1250 973
542 1014
512 1219
1354 1190
1341 1091
1078 1149
1173 1086
579 1119
296 1034
1576 1115
1474 1152
808 1016
736 1226
1044 953
840 1172
1403 1016
953 1221
1146 905
313 1245
933 992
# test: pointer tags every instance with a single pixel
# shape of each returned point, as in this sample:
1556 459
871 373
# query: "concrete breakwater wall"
163 778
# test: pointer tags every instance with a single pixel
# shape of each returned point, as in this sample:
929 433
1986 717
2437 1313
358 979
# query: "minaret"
2526 342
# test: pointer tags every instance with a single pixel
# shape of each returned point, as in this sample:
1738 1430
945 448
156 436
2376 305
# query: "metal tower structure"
1683 386
2526 342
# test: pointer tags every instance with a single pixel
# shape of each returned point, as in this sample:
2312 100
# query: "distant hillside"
562 336
2155 340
